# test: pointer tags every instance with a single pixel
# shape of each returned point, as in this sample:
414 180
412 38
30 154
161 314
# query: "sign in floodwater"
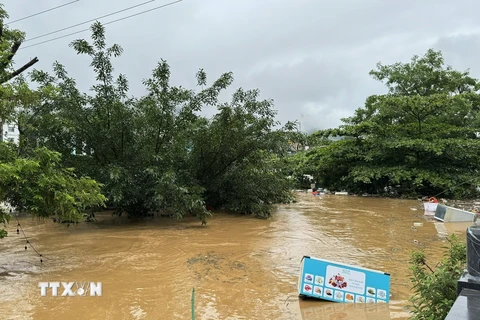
356 311
338 282
216 263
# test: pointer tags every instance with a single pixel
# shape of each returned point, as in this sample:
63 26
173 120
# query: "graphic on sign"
346 279
334 281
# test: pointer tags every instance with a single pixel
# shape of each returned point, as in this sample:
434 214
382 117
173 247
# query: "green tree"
238 156
34 182
10 93
147 151
435 290
39 185
418 139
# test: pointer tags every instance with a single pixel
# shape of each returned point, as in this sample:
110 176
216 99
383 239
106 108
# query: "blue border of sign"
338 282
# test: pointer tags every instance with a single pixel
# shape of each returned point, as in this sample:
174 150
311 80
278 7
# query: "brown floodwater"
240 267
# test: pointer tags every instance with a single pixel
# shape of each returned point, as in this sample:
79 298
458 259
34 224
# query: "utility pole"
4 64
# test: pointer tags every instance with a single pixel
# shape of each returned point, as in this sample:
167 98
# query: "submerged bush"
436 289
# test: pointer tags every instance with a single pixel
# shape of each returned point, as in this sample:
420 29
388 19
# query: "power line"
91 20
458 185
42 12
26 239
107 23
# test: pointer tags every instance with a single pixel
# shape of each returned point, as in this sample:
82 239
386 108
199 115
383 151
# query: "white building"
10 133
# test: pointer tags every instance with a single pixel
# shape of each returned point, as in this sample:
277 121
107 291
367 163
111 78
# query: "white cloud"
311 56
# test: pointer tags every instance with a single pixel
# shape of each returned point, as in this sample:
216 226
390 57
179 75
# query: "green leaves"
419 139
435 290
423 76
39 185
238 157
155 153
4 220
201 78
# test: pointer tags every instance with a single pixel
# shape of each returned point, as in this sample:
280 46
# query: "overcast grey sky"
312 57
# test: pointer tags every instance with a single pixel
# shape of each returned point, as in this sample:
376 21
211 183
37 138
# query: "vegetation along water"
157 155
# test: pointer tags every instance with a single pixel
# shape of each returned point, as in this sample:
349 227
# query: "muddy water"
240 267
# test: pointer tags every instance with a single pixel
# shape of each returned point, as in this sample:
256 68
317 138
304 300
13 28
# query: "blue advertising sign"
338 282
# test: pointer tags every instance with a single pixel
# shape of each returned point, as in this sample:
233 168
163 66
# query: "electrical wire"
91 20
104 24
41 12
458 185
28 241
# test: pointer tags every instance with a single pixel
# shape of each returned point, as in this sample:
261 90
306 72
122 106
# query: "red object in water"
433 200
209 208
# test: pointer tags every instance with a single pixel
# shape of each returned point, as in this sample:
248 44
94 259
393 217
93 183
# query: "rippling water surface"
240 267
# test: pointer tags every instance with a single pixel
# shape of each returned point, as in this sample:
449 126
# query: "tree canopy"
35 182
420 138
154 153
